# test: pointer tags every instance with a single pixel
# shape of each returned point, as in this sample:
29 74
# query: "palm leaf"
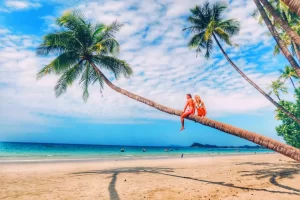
60 64
68 78
118 67
223 36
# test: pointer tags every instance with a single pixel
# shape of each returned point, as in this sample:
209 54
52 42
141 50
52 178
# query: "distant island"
198 145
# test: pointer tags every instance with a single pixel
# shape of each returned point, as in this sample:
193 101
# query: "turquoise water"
23 151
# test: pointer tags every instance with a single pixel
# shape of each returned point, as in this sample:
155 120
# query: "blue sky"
165 69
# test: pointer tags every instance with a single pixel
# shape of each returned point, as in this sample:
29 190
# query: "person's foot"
182 128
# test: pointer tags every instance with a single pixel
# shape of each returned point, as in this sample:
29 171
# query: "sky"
165 69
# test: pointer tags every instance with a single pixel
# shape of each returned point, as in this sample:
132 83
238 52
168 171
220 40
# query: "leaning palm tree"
288 73
276 36
294 5
276 87
277 18
83 50
208 26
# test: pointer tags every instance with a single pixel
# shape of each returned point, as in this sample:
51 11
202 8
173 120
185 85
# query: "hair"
189 95
197 96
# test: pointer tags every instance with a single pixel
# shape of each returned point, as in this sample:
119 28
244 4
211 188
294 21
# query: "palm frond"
85 80
223 36
209 47
197 40
68 78
209 30
230 26
72 20
60 64
58 42
118 67
108 31
217 10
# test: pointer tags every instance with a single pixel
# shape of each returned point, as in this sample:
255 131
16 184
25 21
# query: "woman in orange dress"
200 107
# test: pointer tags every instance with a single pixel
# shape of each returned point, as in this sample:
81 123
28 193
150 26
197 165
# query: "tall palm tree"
288 73
277 87
276 36
294 5
277 18
84 50
208 26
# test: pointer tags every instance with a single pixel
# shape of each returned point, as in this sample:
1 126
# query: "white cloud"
21 5
165 70
3 31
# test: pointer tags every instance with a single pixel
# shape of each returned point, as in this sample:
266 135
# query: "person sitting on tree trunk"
189 109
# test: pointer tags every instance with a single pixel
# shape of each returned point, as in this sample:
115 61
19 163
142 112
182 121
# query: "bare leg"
182 119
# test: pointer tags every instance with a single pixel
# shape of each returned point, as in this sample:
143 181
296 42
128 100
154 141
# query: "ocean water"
12 151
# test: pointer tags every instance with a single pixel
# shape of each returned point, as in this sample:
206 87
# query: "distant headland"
198 145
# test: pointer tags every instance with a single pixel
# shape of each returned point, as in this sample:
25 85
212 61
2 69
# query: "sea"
31 152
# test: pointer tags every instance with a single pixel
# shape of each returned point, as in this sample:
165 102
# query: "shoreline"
119 158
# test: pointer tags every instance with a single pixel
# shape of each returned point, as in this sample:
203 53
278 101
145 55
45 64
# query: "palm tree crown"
80 45
288 73
277 87
207 23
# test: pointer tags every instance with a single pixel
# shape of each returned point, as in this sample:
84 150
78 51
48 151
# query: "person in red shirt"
189 109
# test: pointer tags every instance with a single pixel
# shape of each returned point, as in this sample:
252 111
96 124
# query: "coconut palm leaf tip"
81 48
206 23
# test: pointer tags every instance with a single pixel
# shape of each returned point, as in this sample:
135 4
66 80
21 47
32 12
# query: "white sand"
269 176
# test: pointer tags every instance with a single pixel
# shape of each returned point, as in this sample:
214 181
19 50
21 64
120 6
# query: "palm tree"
294 5
277 87
277 18
288 73
84 50
208 26
276 36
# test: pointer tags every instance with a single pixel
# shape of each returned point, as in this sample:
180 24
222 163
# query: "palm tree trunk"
294 5
277 18
292 82
276 36
278 97
254 85
269 143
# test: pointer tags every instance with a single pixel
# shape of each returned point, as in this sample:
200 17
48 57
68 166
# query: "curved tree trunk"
294 5
269 143
276 36
277 18
256 86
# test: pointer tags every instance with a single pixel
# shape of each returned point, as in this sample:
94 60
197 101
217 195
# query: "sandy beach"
268 176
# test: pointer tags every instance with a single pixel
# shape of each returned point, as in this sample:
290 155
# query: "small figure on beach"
182 155
200 106
189 109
